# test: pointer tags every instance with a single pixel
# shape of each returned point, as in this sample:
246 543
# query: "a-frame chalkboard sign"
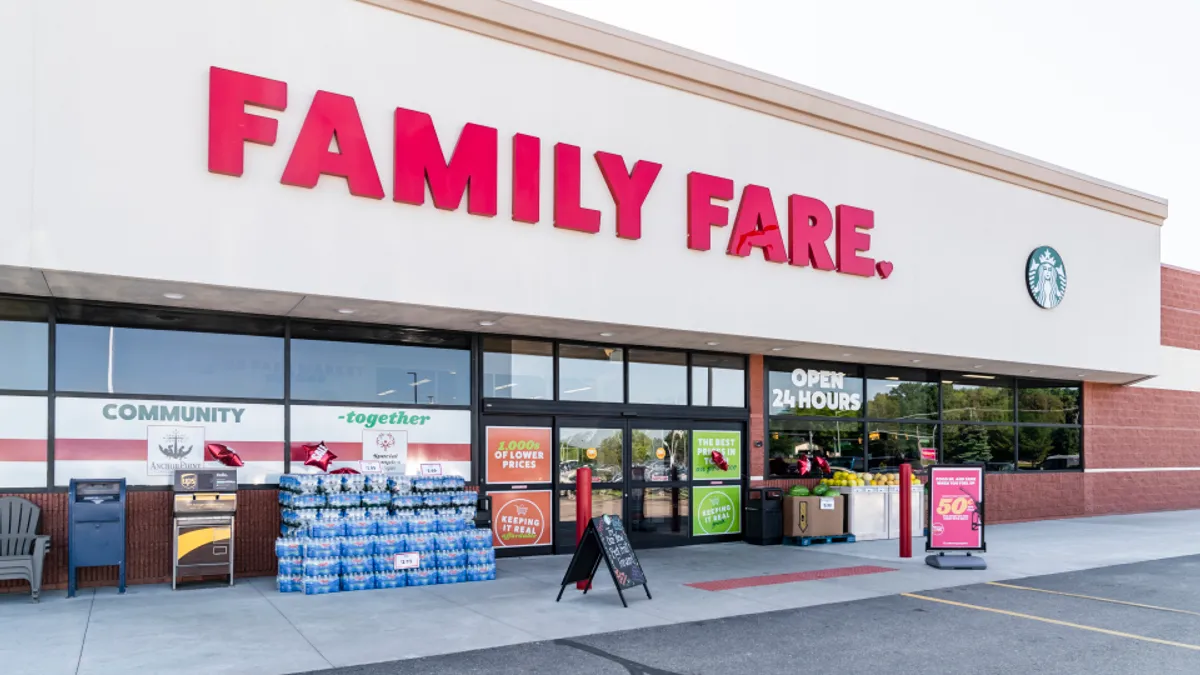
605 538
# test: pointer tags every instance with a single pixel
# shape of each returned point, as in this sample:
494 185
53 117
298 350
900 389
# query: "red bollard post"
906 510
583 508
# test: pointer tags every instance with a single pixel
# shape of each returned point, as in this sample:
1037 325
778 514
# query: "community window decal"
400 439
145 441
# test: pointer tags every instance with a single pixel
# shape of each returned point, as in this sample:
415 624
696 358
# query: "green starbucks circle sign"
1046 277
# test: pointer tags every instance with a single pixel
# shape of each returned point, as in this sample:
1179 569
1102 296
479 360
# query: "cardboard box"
814 516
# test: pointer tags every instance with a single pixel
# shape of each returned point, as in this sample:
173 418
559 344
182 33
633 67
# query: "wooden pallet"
809 541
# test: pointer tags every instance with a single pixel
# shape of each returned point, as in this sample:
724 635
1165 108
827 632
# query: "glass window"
840 442
385 373
518 369
660 455
1049 448
599 449
24 355
977 398
604 503
657 377
718 380
816 391
1048 403
890 444
992 445
113 360
658 516
587 373
901 394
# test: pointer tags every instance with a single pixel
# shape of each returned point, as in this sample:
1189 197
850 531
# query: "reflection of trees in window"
977 403
889 444
992 445
1049 405
1049 448
903 400
840 441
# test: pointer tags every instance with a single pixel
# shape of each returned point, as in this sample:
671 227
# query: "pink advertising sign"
955 512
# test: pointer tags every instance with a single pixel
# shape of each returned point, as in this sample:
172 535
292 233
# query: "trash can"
764 517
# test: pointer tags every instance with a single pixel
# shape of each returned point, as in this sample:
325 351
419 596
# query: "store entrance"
644 470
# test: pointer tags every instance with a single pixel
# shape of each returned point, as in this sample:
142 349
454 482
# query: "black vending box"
764 517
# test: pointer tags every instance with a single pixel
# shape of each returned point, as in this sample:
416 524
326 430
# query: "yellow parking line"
1056 622
1092 597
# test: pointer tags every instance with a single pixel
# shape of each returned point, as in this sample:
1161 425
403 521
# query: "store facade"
513 243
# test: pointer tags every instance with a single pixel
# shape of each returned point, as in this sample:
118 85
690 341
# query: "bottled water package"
424 577
481 556
390 544
291 566
391 525
419 542
463 498
289 547
451 575
358 581
290 583
454 483
357 546
383 563
357 565
481 572
329 483
301 483
448 541
451 522
318 585
319 567
391 579
405 502
292 531
451 558
477 537
322 548
354 482
326 529
399 484
375 498
344 499
422 524
360 527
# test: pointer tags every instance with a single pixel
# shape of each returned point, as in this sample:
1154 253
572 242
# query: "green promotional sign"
726 463
717 510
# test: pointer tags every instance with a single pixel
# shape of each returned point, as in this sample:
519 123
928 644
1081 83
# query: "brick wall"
1180 308
148 539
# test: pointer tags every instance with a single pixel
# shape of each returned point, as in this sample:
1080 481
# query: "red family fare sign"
420 167
955 519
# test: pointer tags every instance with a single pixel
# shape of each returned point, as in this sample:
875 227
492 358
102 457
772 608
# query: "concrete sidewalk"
251 628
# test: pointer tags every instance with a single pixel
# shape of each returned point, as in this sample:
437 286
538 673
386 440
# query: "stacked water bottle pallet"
346 532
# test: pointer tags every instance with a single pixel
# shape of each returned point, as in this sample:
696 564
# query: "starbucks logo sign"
1046 277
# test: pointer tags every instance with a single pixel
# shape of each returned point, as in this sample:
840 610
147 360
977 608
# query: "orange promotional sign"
521 518
519 455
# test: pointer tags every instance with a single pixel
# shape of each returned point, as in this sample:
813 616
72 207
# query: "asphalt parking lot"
1113 620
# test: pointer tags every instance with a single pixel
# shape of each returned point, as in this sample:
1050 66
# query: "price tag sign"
431 469
406 561
370 467
826 503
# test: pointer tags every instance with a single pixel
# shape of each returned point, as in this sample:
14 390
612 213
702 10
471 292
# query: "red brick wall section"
1137 427
1180 308
758 419
148 539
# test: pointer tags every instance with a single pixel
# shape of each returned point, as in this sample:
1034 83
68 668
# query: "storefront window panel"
23 441
718 380
839 441
1049 449
901 394
972 443
657 377
815 390
520 369
600 449
115 360
890 444
659 455
1049 403
587 373
380 373
24 345
977 398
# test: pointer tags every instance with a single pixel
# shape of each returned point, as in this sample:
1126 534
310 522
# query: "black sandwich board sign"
605 538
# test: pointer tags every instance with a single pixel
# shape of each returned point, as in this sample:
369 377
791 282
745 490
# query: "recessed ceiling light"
847 355
916 360
979 377
174 296
776 349
487 323
978 367
606 334
345 310
947 381
891 378
712 344
1033 371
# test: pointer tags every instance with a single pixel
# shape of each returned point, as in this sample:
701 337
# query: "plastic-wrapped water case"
323 548
344 499
357 565
454 483
355 513
375 482
293 531
485 572
307 500
289 583
358 582
427 560
299 483
360 527
322 566
422 524
399 483
477 537
448 541
427 577
481 556
326 529
463 498
356 546
291 565
383 563
390 544
419 542
467 513
391 525
406 501
451 575
330 483
456 558
435 499
318 585
375 498
353 482
289 548
451 523
391 579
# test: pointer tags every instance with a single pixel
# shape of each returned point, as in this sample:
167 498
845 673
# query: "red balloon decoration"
719 460
215 452
318 455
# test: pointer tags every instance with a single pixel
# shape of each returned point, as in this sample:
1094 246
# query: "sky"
1108 88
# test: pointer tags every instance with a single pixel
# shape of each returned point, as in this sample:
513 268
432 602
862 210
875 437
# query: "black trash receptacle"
764 516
